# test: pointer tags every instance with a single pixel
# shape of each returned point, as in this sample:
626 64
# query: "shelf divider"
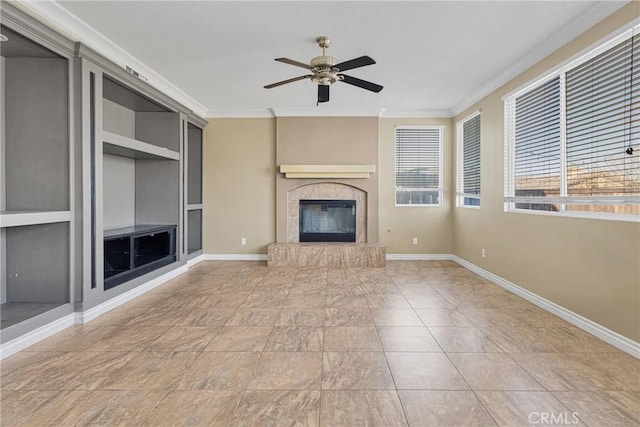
22 218
132 148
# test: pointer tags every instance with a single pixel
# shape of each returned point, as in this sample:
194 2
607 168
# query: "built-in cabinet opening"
140 183
35 171
133 251
194 190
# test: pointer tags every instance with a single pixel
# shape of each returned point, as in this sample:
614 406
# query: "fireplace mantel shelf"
327 171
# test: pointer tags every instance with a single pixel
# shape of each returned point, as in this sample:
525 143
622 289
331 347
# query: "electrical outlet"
484 253
243 241
415 240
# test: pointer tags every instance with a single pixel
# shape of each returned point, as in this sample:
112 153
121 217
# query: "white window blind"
537 143
418 165
469 161
603 121
573 140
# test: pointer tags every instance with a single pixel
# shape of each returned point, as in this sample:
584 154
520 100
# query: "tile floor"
237 343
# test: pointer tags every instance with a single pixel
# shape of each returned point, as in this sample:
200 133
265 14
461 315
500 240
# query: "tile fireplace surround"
295 254
325 191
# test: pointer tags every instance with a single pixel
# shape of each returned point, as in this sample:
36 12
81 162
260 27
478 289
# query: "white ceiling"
430 55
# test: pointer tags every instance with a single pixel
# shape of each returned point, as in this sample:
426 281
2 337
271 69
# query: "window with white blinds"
573 139
418 166
468 161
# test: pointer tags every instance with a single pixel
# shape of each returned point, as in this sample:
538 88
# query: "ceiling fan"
326 70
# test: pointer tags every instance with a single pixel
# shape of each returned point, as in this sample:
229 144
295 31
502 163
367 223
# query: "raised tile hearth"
326 255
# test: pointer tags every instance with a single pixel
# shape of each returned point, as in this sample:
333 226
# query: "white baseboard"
234 257
607 335
30 338
194 261
419 257
92 313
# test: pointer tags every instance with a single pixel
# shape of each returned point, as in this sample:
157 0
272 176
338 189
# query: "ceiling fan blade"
323 93
296 63
284 82
361 83
355 63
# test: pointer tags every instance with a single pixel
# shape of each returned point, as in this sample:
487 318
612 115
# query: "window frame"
440 190
509 99
461 196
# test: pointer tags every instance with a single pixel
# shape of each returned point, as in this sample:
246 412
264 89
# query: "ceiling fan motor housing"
324 72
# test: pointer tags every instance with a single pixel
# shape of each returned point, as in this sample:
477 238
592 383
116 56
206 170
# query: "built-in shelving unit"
36 208
97 193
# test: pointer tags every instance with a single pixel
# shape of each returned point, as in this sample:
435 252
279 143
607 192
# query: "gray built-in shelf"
127 147
36 230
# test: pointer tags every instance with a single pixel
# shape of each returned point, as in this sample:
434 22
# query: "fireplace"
327 221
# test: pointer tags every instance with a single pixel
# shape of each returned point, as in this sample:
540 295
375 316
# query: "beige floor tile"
208 317
65 371
239 338
380 288
192 338
195 408
75 338
151 371
111 408
581 371
278 408
444 408
291 371
352 288
516 408
362 408
442 317
355 371
395 317
220 370
254 317
463 340
493 371
265 299
317 300
605 408
301 316
295 339
347 301
407 338
431 300
308 287
226 300
128 339
118 316
424 371
351 338
155 316
37 408
348 317
387 301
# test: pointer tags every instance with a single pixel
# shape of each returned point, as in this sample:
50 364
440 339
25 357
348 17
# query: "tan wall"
239 185
327 140
433 226
591 267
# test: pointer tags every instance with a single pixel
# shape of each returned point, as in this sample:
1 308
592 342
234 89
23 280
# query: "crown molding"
442 113
325 112
59 18
555 41
247 113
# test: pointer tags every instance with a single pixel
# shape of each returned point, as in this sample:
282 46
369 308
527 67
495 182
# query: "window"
468 153
573 137
418 166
